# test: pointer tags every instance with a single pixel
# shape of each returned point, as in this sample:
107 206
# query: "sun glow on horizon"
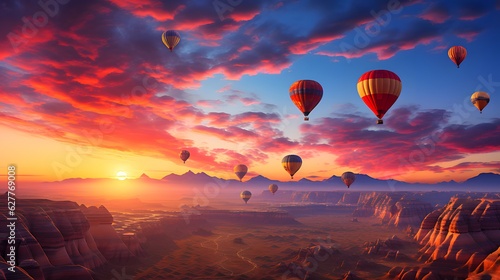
121 175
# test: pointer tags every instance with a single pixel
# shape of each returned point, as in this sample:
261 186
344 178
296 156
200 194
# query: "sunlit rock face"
489 268
464 235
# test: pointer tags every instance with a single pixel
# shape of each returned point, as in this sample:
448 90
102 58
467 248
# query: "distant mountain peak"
484 177
259 178
487 174
144 176
305 180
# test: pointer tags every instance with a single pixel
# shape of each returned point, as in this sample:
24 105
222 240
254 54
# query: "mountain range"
489 182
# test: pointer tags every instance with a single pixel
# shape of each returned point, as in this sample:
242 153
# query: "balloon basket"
380 121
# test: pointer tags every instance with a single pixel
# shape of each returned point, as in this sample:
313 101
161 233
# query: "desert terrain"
223 250
291 235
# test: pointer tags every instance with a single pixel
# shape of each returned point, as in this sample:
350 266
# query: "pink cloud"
469 36
244 15
305 46
147 8
224 88
436 14
468 166
416 141
209 103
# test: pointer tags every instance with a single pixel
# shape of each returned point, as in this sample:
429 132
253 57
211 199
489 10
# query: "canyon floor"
227 250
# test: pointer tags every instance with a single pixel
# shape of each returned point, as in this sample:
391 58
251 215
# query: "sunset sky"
88 89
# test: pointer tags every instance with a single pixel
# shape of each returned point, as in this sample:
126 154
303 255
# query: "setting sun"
121 175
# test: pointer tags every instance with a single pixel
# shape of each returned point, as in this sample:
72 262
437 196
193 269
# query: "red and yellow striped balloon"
457 54
306 94
379 89
170 39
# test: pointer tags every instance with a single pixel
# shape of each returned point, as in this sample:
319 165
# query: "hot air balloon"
240 170
480 99
457 54
184 155
306 94
273 188
348 178
245 195
292 164
170 38
379 89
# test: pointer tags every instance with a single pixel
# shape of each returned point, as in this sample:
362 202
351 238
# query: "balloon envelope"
379 89
246 195
348 178
306 94
457 54
170 39
292 164
240 170
273 188
184 155
480 99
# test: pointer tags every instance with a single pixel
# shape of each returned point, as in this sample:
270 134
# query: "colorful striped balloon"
240 170
273 188
245 195
348 178
306 94
379 89
292 164
457 54
184 155
170 38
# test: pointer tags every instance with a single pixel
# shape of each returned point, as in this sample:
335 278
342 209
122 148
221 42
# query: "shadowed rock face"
350 198
400 209
302 260
427 225
463 236
106 239
54 240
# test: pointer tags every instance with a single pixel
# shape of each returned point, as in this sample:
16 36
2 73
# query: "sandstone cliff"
57 240
462 238
400 209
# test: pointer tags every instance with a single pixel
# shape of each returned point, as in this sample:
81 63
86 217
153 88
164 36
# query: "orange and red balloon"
457 54
306 94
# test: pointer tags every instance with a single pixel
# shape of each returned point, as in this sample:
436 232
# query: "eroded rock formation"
400 209
463 237
56 240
